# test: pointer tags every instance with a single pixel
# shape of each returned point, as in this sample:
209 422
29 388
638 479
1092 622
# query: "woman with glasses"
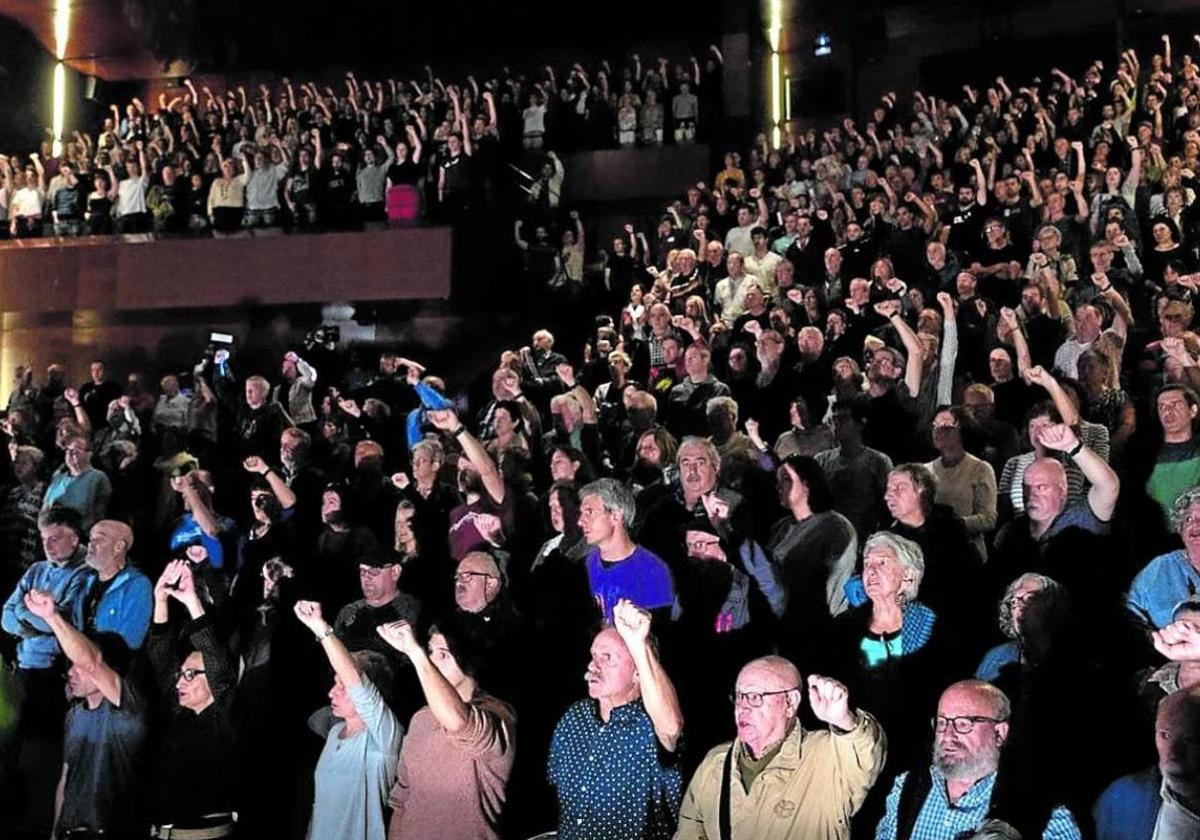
193 774
362 739
1027 589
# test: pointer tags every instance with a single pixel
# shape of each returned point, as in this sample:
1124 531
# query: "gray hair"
696 442
1007 626
725 404
1183 504
907 553
432 448
614 496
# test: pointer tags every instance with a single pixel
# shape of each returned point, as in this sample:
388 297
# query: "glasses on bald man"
754 699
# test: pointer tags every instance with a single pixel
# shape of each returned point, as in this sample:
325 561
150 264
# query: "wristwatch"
1075 450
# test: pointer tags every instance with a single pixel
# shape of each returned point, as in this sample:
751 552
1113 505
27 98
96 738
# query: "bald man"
818 780
1053 533
952 798
119 598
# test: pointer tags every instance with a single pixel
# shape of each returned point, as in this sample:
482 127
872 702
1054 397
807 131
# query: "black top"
194 766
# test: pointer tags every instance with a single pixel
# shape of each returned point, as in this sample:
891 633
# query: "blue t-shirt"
642 578
102 749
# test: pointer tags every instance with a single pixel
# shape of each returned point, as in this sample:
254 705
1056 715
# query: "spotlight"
822 45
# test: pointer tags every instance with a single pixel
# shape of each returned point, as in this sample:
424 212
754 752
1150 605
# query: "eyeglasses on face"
188 674
372 571
465 577
964 724
754 699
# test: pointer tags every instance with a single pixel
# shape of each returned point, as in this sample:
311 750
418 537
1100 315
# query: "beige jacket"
809 791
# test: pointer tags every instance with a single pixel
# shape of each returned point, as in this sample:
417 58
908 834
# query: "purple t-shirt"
642 578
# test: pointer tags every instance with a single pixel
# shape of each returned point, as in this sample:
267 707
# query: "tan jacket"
809 791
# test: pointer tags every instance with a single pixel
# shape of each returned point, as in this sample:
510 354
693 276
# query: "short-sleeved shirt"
613 778
102 751
1076 515
642 578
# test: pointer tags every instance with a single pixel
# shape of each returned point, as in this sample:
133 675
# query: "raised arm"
449 709
1106 486
309 613
1122 315
1009 318
658 692
79 649
185 485
914 369
493 482
1038 375
279 487
414 140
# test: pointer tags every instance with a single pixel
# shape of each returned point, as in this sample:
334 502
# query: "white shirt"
131 196
27 201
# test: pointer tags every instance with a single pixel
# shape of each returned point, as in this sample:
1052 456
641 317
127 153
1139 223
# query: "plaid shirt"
939 820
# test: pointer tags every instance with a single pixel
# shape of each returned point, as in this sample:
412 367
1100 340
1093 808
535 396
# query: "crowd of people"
303 156
863 494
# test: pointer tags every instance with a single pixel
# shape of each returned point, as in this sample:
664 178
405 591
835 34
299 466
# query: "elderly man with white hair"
777 779
952 798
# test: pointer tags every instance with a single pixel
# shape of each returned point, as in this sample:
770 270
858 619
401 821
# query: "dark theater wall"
70 300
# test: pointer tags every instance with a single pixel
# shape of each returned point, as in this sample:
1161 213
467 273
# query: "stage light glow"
62 28
60 105
774 38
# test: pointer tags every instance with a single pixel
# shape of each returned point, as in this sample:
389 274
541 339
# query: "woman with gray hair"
886 651
1172 577
1017 596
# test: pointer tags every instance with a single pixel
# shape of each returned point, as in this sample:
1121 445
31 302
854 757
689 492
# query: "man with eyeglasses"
484 611
776 779
953 797
77 484
383 603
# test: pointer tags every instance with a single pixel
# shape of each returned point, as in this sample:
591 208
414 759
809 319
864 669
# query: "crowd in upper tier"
862 492
304 156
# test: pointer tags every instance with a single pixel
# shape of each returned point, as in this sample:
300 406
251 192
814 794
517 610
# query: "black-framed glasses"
964 724
754 699
465 577
188 674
